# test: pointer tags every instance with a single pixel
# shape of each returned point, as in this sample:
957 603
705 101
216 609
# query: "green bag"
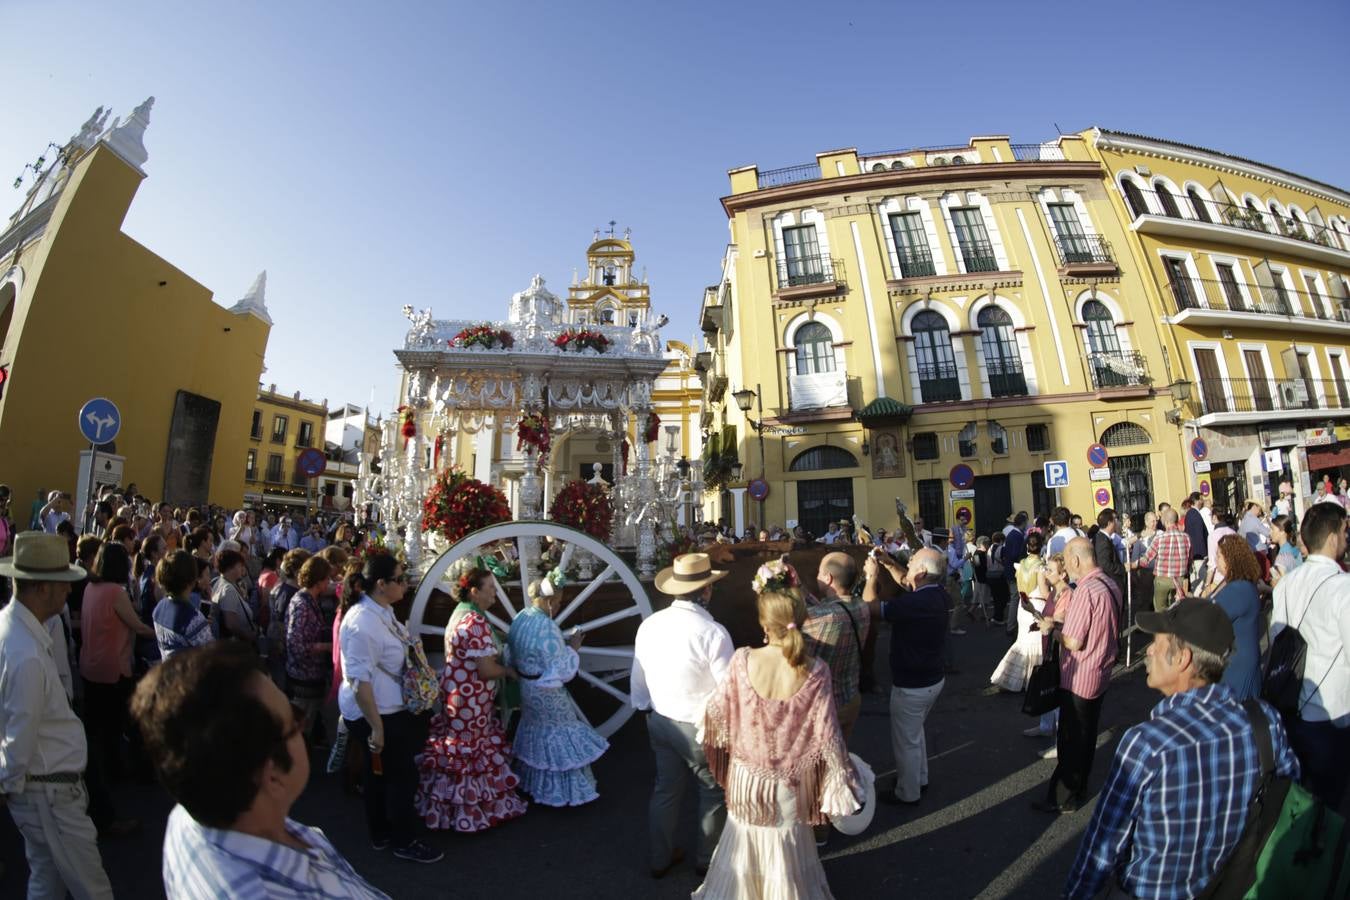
1291 844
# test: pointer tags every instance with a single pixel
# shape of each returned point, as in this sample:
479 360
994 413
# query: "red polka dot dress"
466 779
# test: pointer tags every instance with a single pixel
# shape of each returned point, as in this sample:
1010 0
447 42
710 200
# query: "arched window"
1002 360
1256 221
1125 434
1101 328
1166 200
998 438
935 357
965 441
1198 205
823 458
878 167
815 349
1134 197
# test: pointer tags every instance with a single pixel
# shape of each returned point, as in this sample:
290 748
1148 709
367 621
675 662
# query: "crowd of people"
222 654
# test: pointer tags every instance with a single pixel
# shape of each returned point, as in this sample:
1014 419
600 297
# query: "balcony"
1273 306
916 262
1175 215
800 277
978 255
789 175
1006 378
1047 152
1255 399
1117 369
939 384
1084 254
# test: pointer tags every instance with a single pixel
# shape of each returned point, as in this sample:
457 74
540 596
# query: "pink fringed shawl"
754 744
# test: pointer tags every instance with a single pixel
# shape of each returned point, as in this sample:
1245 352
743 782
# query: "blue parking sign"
1056 473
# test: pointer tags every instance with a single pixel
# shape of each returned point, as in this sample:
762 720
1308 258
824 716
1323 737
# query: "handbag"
421 688
1043 686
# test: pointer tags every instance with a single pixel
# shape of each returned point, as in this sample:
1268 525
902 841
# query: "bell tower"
610 292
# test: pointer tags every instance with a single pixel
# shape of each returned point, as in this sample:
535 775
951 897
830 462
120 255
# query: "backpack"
1282 682
994 567
1291 844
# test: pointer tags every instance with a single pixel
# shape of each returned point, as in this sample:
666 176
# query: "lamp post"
744 398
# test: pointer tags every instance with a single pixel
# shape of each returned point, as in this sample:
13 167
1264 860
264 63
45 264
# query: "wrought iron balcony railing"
916 262
1272 299
1083 249
939 384
978 254
1233 215
1037 152
1117 369
795 271
788 175
1006 378
1245 395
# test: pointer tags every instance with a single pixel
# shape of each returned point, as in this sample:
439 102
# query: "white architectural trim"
1145 192
1117 317
127 139
1239 275
966 199
790 219
1178 195
1264 350
958 347
1304 275
1045 293
1019 336
1217 347
872 333
895 205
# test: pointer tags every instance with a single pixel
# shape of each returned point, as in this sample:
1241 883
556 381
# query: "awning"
1328 457
884 411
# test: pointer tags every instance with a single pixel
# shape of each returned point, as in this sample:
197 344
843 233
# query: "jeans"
677 755
1077 745
60 842
909 710
1322 750
390 815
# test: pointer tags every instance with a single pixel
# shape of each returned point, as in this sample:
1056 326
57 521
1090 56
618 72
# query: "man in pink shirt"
1087 655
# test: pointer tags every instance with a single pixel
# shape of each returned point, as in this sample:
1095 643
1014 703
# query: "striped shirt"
1093 621
179 626
203 863
1175 801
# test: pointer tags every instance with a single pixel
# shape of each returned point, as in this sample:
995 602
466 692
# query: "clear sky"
373 154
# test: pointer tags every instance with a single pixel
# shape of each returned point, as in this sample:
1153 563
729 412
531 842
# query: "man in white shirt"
56 511
1313 599
679 656
284 535
43 750
831 536
1064 532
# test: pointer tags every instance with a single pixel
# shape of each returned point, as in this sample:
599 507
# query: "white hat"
858 822
39 556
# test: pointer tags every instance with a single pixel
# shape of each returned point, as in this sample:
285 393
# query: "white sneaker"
1051 753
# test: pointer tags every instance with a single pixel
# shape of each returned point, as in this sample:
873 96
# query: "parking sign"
1056 473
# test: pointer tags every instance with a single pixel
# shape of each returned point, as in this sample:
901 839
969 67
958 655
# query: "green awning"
885 411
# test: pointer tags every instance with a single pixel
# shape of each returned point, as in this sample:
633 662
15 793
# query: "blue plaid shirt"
1176 797
202 863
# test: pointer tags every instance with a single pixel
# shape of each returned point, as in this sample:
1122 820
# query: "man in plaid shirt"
1170 557
1175 801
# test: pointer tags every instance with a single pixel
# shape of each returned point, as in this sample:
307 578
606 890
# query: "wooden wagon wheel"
608 608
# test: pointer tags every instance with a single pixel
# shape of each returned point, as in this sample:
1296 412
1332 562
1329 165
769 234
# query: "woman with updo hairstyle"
466 779
772 738
1288 557
554 745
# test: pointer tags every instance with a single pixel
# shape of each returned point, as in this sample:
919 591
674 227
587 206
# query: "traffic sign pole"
88 519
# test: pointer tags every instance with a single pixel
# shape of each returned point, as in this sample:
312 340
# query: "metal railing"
1083 249
789 175
795 271
1117 369
978 254
1272 299
1245 395
1233 215
1048 152
1006 378
939 384
916 262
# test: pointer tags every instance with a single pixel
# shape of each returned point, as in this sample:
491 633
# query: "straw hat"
39 556
858 822
688 573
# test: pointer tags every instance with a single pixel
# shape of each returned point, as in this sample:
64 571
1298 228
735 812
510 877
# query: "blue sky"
375 154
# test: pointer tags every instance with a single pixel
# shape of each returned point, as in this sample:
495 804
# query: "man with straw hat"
679 656
43 751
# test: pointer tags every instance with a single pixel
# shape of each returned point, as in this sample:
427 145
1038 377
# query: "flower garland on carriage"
457 505
586 507
485 336
579 339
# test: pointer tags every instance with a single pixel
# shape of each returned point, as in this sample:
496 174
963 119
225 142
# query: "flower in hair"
777 575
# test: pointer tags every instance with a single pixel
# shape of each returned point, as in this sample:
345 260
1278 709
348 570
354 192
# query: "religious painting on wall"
887 460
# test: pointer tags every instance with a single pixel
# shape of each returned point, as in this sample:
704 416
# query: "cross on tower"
612 223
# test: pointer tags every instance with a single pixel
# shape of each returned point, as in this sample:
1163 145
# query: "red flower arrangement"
653 428
485 336
533 431
408 417
458 504
585 507
579 339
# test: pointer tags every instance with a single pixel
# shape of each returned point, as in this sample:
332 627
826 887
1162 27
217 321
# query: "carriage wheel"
607 608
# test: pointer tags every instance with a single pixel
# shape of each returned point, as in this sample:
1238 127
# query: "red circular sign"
758 489
1204 488
963 515
1103 497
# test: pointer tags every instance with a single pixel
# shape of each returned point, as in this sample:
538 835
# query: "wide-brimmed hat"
39 556
858 822
688 573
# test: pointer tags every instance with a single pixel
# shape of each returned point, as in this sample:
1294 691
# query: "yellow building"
283 427
86 311
1246 268
927 323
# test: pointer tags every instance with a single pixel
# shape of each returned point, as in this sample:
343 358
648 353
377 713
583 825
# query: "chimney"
271 389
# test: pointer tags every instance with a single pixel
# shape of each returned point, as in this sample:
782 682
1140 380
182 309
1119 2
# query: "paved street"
974 835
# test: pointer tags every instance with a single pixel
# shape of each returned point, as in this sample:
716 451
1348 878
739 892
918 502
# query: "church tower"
610 293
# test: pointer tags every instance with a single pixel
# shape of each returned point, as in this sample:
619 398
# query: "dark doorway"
1132 486
822 501
993 503
192 441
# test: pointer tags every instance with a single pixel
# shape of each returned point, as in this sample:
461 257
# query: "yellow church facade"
1246 268
956 327
86 311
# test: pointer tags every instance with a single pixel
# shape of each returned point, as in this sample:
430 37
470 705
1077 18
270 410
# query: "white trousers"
909 709
60 841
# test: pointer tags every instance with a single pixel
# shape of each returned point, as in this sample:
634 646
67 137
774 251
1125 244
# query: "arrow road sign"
100 421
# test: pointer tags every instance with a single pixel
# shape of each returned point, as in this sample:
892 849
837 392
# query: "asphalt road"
974 835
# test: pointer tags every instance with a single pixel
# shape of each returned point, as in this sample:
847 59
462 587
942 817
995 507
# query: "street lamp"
744 397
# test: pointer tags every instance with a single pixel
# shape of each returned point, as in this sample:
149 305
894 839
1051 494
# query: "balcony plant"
579 339
485 336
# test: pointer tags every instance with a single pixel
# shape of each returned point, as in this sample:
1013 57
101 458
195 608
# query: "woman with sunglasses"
373 645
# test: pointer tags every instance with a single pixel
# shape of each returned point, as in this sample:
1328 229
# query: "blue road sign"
100 421
1199 449
311 462
1056 473
962 476
1097 456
